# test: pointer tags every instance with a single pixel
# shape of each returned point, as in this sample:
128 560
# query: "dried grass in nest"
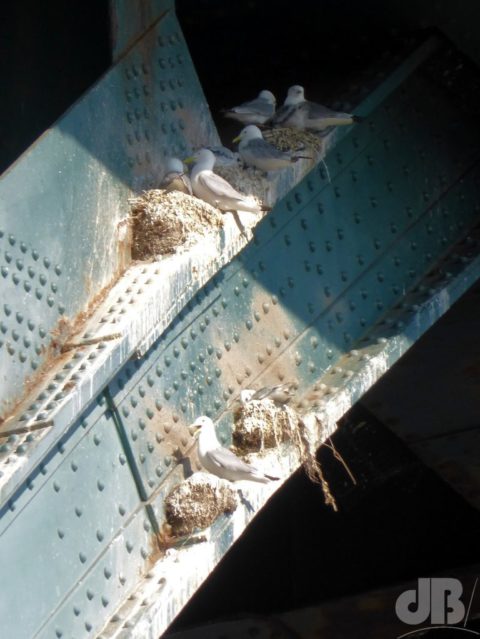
262 424
293 139
162 222
197 502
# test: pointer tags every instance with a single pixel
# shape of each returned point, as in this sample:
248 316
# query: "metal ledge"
175 578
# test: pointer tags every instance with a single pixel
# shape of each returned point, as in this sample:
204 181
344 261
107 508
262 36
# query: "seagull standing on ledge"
255 111
213 189
257 152
299 113
219 460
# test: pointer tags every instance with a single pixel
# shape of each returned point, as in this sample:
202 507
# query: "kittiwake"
299 113
219 460
255 111
213 189
279 395
176 178
257 152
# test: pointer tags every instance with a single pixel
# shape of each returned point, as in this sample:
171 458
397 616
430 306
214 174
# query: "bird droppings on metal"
197 502
262 424
164 222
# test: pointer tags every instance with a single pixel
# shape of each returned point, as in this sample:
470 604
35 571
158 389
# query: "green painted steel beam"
339 280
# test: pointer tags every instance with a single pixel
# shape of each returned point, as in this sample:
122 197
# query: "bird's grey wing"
225 459
169 177
188 184
283 115
175 181
262 149
318 111
262 393
219 187
257 106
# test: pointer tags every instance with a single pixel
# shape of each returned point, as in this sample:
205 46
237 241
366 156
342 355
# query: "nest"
262 424
197 502
163 222
293 140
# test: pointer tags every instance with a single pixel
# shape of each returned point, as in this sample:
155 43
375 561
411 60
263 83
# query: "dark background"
401 521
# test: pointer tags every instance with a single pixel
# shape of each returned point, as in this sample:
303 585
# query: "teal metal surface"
130 20
62 201
81 512
346 272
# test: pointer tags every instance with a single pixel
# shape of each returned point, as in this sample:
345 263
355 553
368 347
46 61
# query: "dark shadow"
400 521
51 53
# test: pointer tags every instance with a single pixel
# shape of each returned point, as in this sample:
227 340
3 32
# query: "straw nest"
163 222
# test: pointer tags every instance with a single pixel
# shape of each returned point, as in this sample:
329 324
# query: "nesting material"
294 140
197 502
262 424
163 222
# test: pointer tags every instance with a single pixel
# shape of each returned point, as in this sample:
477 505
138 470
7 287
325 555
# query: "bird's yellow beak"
237 139
190 160
194 429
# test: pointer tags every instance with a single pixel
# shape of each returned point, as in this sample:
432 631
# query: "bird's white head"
250 132
204 429
246 395
174 165
203 158
295 95
267 96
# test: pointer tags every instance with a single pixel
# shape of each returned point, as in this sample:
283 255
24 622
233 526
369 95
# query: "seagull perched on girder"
280 394
219 460
255 111
299 113
257 152
213 189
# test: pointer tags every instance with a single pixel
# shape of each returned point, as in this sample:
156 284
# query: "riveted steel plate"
62 201
325 265
130 20
70 510
110 581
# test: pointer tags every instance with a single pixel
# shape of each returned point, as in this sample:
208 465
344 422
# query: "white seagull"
255 111
257 152
299 113
213 189
219 460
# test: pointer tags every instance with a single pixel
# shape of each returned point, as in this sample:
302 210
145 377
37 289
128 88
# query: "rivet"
121 510
82 557
100 485
78 511
100 535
